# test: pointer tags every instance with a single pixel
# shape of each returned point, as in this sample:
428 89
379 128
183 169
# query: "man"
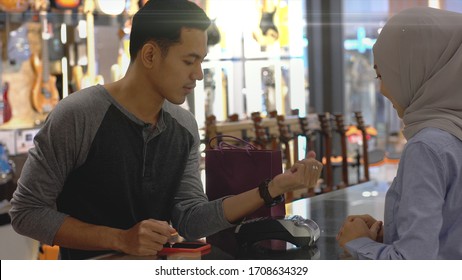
114 163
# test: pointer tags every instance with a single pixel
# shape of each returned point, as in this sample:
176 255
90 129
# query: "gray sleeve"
193 215
60 146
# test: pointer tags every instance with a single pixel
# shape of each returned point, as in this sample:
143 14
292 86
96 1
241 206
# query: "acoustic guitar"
44 95
90 78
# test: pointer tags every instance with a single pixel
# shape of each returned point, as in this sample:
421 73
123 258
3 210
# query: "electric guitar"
267 32
45 95
361 126
90 78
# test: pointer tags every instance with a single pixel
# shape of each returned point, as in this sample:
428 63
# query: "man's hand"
303 174
145 238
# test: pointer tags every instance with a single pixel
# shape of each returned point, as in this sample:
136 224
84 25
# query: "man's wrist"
267 196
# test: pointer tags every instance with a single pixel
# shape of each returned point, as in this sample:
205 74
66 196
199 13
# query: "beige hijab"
419 56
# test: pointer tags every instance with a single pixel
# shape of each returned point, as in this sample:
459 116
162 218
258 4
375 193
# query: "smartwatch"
265 195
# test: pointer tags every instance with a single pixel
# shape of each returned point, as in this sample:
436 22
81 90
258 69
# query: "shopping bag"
232 169
234 166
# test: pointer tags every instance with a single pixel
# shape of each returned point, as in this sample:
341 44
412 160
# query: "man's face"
175 75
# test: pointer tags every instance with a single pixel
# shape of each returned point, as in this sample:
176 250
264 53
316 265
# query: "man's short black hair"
162 20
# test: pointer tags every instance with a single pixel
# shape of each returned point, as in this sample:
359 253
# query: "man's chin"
177 101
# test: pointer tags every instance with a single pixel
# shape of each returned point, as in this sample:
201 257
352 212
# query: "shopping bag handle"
224 145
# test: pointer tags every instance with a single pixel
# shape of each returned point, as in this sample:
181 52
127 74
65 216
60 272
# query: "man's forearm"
76 234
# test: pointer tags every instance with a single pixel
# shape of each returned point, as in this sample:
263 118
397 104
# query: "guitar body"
44 95
14 6
65 4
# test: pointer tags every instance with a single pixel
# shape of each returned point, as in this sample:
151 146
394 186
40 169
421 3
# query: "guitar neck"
326 129
45 52
341 130
91 70
362 127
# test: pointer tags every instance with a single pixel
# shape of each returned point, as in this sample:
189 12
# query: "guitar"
210 131
6 108
90 78
110 7
119 69
326 131
261 137
361 126
65 4
269 88
213 33
6 104
14 6
45 95
340 128
285 137
267 32
308 127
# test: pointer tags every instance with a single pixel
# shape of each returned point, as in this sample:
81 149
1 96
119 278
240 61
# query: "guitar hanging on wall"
90 78
14 6
45 95
66 4
267 32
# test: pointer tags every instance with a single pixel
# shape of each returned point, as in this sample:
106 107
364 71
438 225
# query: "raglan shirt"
423 206
95 161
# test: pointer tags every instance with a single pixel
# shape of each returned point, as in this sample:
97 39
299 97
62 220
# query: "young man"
114 163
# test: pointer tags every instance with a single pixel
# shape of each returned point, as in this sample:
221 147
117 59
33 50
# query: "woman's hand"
357 226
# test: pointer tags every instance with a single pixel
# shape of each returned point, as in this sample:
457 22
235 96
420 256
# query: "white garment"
419 57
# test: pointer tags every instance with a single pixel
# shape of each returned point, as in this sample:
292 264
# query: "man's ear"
149 54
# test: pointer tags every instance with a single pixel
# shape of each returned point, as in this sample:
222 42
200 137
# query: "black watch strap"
265 195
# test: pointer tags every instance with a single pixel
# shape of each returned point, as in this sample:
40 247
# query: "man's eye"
188 62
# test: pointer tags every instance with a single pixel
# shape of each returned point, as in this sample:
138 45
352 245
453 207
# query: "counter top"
327 210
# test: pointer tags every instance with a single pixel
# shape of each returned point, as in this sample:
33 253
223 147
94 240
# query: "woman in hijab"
418 60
